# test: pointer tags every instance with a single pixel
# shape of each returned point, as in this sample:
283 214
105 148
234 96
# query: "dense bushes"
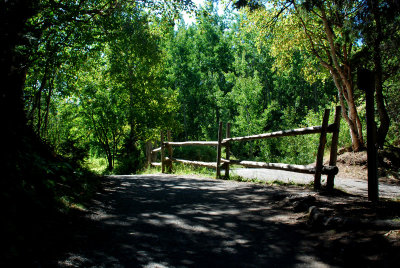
296 149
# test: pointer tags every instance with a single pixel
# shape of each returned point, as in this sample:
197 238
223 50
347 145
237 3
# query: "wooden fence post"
227 149
162 153
334 145
218 172
320 153
169 148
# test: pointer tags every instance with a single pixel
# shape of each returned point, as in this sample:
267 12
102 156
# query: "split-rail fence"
224 163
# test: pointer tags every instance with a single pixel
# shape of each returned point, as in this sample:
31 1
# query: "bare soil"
355 165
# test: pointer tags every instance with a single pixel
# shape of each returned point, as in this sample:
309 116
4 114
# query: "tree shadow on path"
172 221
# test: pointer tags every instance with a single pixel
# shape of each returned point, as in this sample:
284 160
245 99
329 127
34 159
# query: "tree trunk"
13 66
217 113
46 116
341 73
383 114
110 162
348 114
357 135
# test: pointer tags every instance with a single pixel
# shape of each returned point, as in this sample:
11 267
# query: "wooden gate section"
319 169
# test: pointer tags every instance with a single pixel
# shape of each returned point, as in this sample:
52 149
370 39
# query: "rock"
315 216
303 204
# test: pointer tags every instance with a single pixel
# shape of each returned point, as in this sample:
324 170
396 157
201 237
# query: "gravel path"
181 221
353 186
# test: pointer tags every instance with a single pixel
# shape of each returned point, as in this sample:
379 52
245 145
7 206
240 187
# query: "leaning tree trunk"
342 76
349 113
355 125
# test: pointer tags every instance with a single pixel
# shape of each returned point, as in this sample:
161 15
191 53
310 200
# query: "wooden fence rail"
194 163
282 133
192 143
319 169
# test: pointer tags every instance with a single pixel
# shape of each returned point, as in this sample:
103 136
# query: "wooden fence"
224 163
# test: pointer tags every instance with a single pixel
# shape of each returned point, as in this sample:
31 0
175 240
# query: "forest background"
97 91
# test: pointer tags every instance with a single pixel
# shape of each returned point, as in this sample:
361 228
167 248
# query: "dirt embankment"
355 165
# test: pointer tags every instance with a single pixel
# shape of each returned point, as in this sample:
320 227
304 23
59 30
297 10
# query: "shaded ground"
180 221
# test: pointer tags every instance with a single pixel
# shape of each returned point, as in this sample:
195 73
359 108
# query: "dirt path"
353 186
181 221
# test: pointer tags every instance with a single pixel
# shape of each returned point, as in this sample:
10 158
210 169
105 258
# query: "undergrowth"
38 189
181 169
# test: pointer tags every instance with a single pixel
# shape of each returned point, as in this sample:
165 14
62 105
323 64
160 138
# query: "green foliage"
182 169
303 149
96 164
196 153
131 159
120 79
74 150
246 95
393 104
108 97
197 58
294 149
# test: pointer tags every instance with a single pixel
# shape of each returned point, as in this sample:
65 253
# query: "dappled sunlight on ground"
173 221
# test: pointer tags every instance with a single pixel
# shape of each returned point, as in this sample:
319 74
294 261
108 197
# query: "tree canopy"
109 75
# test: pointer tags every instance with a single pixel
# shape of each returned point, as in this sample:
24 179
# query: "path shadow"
172 221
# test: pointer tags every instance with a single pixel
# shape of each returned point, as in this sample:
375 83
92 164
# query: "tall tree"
198 56
134 58
324 29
